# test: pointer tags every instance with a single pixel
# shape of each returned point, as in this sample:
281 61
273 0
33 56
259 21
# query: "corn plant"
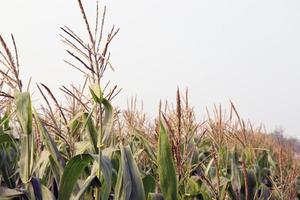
84 148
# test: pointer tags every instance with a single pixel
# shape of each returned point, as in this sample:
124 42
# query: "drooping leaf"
72 172
129 183
166 169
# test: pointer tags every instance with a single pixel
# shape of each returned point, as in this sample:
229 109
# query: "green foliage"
91 130
73 170
24 114
24 111
166 169
129 184
50 145
96 92
84 148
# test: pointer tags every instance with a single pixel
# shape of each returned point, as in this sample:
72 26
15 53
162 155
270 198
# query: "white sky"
244 51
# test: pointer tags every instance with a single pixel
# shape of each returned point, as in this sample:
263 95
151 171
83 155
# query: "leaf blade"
166 168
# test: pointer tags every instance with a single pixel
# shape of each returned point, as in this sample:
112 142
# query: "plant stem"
98 197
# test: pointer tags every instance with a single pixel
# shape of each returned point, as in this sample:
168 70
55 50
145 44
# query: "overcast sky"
244 51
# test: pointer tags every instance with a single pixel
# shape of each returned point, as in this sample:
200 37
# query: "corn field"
85 148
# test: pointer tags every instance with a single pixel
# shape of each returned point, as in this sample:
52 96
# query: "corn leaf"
129 183
96 93
91 130
166 169
24 115
6 138
88 182
72 172
49 143
47 194
106 169
149 184
7 194
107 122
24 111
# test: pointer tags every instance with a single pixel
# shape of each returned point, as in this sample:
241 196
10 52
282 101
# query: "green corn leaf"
263 160
148 149
26 158
107 122
57 173
5 121
193 187
72 172
49 143
106 169
24 111
91 130
6 138
149 184
9 156
96 92
166 169
75 123
24 115
129 183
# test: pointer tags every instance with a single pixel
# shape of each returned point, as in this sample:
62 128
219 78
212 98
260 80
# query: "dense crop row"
87 149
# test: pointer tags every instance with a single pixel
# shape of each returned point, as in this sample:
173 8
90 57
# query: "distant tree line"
278 134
